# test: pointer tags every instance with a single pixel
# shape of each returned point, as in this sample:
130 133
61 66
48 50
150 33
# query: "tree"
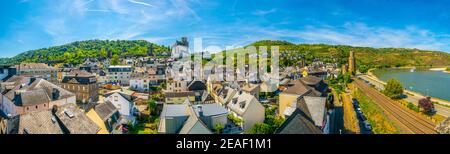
261 128
152 106
103 53
363 68
115 60
393 89
219 127
426 104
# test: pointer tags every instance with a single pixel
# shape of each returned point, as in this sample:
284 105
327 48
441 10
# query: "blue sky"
33 24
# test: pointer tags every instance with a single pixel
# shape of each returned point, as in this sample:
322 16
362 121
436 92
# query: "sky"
34 24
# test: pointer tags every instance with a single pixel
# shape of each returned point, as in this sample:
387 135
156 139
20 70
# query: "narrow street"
337 116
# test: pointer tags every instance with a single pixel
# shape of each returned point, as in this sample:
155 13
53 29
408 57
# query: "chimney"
55 94
17 95
54 109
200 111
32 79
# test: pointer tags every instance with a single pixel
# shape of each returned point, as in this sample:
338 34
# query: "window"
36 106
116 98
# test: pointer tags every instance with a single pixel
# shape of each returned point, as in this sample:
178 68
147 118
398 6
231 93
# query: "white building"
247 108
141 84
180 48
119 75
125 104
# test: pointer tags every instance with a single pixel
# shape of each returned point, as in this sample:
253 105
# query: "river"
433 83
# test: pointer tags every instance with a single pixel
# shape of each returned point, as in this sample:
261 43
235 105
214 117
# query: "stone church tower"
351 63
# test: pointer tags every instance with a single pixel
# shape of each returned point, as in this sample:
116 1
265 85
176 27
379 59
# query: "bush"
261 128
235 120
393 89
413 107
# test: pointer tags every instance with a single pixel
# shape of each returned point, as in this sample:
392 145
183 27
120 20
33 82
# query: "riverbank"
443 69
371 75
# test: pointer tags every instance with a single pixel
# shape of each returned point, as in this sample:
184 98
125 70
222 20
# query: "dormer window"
242 105
235 101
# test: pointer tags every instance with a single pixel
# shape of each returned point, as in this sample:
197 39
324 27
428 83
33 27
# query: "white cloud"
264 12
141 3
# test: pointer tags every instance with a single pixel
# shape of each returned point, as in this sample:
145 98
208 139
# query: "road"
408 121
440 109
337 116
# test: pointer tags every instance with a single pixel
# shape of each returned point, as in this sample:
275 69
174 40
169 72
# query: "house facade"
124 104
247 108
22 95
119 75
83 84
141 84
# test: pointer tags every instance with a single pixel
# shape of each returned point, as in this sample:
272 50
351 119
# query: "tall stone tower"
150 50
351 63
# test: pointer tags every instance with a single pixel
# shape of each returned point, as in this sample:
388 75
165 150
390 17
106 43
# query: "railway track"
408 121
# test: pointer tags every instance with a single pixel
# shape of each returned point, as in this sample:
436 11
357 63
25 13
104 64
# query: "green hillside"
372 57
76 52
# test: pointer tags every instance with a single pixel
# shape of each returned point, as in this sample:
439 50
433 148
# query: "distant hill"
372 57
76 52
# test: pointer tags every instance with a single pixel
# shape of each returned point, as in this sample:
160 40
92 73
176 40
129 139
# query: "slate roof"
39 122
315 107
210 109
316 83
179 94
298 123
81 77
174 110
105 110
196 85
311 80
33 66
241 102
227 93
191 122
38 92
79 123
32 97
297 87
129 98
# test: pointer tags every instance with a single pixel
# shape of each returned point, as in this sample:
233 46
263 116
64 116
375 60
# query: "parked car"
358 110
362 117
355 101
367 125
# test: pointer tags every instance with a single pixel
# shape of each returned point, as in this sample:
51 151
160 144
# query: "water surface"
432 83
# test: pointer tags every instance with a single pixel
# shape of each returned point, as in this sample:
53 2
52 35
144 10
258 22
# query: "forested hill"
371 57
77 52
